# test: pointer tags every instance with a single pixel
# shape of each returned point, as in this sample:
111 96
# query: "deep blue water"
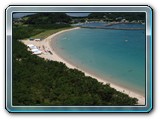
115 55
126 26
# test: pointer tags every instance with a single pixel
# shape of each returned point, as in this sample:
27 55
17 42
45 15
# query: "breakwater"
115 26
100 27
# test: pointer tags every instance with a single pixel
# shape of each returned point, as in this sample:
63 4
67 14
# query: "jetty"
111 26
100 27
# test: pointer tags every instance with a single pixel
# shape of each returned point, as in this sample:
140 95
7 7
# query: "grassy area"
26 31
49 32
40 82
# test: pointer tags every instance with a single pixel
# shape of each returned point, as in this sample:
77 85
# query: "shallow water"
115 55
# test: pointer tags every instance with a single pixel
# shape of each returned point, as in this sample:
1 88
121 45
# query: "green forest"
43 82
114 16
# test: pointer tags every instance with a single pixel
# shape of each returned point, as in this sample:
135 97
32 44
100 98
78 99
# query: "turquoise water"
115 55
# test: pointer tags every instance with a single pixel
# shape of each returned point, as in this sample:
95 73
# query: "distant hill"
19 15
118 16
43 82
47 18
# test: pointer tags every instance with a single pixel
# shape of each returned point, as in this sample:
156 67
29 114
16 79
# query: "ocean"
117 56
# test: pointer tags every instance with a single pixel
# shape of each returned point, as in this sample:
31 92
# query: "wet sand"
45 46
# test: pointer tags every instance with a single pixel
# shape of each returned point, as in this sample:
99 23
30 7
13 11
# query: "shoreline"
55 57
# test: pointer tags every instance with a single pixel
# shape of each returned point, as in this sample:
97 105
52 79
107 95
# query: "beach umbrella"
30 45
34 50
37 52
33 47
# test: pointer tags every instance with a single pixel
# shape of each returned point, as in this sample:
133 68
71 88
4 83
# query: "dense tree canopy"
48 18
43 82
121 15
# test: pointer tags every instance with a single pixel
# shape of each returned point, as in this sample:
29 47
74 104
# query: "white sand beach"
44 46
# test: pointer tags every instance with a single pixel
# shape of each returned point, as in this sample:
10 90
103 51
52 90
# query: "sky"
18 15
78 14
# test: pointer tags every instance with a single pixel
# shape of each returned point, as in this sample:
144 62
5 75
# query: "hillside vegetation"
114 16
43 82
